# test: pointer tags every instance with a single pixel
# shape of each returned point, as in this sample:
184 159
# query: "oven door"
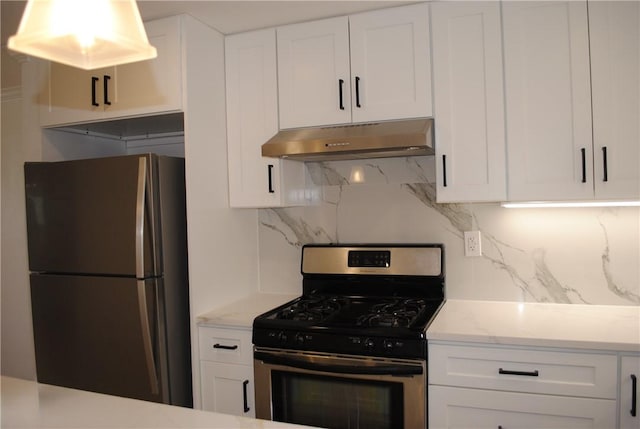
330 391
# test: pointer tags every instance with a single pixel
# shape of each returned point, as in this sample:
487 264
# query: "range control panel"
369 258
395 260
370 345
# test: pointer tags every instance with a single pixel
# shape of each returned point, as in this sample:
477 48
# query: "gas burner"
393 314
312 308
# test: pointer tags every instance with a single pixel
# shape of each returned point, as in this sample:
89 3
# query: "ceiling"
225 16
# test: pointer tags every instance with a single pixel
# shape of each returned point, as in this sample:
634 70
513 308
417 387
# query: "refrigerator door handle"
146 337
140 207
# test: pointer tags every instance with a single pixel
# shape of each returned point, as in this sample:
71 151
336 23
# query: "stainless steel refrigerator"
109 282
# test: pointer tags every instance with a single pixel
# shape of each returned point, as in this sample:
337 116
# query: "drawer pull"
525 373
583 152
222 346
634 395
244 396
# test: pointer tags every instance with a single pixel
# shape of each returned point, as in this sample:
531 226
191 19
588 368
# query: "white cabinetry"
614 31
629 390
226 370
252 119
476 386
71 95
548 100
468 101
565 68
365 67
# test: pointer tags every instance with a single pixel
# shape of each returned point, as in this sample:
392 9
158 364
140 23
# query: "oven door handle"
394 370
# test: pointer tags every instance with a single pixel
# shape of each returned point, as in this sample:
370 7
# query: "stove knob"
387 345
299 338
282 337
369 344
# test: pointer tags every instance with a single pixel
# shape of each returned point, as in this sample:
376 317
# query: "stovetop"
359 312
359 301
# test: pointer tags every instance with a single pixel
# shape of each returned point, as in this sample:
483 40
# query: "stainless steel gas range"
351 352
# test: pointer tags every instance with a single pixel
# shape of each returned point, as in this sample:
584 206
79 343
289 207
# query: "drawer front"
454 407
226 345
524 370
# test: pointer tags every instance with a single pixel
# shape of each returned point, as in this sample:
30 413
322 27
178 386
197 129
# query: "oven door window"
336 402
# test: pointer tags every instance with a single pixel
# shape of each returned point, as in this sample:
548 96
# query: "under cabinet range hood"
409 137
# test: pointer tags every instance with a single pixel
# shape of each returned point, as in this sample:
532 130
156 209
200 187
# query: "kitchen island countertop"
28 404
595 327
240 313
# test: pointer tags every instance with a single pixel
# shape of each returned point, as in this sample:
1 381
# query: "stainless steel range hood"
408 137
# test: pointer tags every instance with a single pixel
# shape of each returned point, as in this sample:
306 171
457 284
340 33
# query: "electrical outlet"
472 243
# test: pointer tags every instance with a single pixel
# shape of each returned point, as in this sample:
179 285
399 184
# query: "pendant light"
87 34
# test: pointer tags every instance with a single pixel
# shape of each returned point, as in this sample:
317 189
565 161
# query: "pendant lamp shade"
87 34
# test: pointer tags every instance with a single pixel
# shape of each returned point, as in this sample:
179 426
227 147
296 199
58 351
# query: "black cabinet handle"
94 80
244 395
634 395
358 92
525 373
222 346
444 170
583 151
605 177
340 85
105 81
270 174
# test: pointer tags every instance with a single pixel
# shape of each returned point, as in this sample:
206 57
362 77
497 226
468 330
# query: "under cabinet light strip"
565 204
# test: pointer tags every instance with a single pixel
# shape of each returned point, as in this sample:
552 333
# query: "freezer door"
94 216
99 334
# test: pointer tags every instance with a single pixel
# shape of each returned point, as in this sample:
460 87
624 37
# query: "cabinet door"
451 407
252 119
74 95
548 100
390 67
227 388
468 101
313 73
71 95
151 86
629 391
614 31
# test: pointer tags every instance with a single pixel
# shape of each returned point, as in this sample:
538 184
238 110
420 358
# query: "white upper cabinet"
71 95
468 101
614 31
369 66
390 64
548 100
252 119
313 73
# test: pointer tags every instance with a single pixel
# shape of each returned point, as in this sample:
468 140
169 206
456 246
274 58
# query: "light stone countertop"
28 404
594 327
240 314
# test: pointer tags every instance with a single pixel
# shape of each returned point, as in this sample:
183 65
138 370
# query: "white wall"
19 143
579 255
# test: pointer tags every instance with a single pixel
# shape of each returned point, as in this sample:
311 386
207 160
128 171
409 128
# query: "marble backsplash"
561 255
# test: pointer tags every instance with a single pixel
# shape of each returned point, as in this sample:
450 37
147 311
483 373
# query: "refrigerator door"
99 334
94 216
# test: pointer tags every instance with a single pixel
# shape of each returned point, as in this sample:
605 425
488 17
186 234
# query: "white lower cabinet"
226 370
454 407
629 390
515 387
227 388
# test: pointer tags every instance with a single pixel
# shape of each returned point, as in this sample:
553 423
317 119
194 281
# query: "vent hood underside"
409 137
